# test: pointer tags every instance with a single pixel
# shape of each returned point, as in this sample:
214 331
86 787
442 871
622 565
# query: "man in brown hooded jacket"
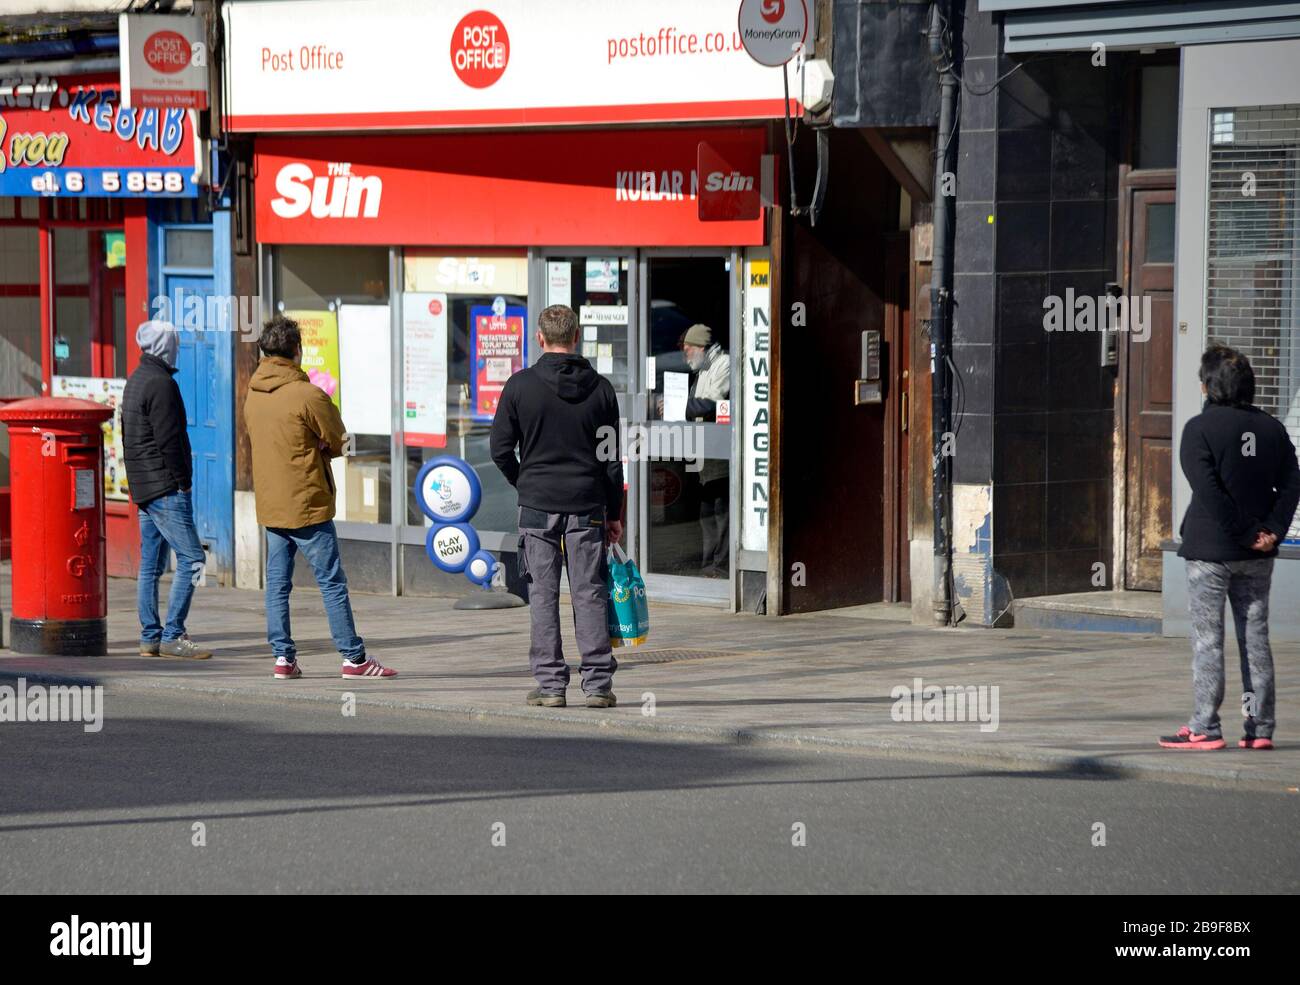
295 429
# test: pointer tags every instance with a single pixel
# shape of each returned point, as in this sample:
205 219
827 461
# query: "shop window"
1158 117
339 297
1253 251
596 287
20 308
465 331
20 315
189 248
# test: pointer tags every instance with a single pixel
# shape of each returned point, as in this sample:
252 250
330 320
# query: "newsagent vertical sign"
756 349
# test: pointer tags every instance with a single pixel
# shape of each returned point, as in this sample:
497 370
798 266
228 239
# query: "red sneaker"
1255 742
287 672
1187 739
371 668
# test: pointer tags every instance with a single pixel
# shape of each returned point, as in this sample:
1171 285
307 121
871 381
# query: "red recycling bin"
56 478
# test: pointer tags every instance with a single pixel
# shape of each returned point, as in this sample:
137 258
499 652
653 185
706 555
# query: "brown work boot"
547 699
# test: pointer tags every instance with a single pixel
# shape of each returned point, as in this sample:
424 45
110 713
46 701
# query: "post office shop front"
417 265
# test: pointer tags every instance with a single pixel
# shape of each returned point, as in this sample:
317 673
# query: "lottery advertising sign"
498 341
448 491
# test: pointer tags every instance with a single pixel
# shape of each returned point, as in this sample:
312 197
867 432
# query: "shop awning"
1069 25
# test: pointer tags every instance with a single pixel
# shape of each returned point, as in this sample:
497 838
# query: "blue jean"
320 546
167 523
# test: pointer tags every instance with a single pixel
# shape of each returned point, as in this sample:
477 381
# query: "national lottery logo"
449 491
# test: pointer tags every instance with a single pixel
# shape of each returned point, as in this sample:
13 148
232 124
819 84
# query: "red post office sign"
522 188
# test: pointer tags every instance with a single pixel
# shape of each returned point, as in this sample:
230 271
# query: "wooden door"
1149 384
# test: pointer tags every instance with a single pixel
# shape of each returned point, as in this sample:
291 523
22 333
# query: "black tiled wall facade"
1037 214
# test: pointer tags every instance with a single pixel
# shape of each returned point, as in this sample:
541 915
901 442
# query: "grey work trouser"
1245 585
548 541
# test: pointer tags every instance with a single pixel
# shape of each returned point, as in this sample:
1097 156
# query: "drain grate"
638 656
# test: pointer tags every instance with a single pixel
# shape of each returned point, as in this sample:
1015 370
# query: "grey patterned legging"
1245 585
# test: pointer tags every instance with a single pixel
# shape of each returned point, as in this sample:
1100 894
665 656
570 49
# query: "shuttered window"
1253 276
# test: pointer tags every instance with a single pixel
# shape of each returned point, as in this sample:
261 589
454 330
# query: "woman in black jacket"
1245 483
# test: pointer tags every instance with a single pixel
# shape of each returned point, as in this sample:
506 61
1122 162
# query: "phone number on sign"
108 181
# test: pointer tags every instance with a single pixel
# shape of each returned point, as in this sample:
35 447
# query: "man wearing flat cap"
711 369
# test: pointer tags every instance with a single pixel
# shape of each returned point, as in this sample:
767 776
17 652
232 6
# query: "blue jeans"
320 546
167 523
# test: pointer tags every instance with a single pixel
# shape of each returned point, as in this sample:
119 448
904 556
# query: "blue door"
203 377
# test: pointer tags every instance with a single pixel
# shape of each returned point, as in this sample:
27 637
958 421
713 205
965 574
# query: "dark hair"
1227 376
558 324
281 336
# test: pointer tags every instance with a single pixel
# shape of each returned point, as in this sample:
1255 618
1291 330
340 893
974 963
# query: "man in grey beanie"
159 470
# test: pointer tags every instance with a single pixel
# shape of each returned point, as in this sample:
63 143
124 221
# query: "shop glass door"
600 284
686 321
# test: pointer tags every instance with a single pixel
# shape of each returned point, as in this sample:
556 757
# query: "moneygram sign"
773 31
164 61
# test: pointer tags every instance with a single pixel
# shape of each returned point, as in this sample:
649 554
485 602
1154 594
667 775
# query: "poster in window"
602 275
497 340
108 392
367 400
424 371
320 349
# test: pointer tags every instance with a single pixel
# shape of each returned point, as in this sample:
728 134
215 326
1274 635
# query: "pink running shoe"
1187 739
371 668
1255 742
287 672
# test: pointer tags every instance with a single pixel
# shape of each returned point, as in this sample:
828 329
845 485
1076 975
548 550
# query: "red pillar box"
56 477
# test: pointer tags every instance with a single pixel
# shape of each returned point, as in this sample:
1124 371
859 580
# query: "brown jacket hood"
274 372
288 418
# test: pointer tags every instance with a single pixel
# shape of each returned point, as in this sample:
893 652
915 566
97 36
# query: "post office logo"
480 49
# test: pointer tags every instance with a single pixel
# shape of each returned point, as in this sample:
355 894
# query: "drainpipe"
942 54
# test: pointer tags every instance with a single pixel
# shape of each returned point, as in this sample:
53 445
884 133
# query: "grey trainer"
148 648
182 649
601 699
547 699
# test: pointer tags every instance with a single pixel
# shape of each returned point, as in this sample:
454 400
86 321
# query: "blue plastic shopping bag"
628 611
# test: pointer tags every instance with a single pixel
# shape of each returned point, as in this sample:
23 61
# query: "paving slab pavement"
1080 702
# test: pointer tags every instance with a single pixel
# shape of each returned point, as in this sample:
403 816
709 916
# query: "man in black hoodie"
561 415
1245 483
159 470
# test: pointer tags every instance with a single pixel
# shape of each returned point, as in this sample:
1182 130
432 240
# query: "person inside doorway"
1245 483
711 382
